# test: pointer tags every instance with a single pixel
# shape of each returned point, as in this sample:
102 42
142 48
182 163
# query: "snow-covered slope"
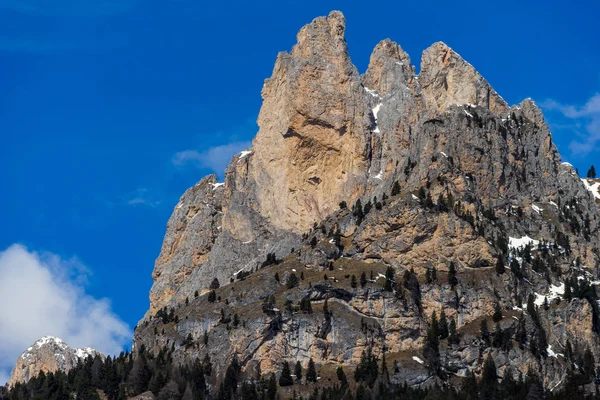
593 185
48 354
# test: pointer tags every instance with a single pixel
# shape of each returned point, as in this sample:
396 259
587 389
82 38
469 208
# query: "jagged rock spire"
446 79
312 147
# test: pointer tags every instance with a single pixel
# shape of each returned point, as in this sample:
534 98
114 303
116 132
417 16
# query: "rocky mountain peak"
446 79
48 354
324 35
389 67
312 147
447 173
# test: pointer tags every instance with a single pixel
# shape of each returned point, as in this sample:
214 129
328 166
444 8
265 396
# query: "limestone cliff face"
327 135
48 354
448 79
191 233
471 177
313 146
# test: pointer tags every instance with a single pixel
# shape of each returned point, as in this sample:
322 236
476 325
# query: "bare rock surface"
447 174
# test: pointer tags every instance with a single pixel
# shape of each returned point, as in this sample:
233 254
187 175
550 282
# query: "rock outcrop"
48 354
449 177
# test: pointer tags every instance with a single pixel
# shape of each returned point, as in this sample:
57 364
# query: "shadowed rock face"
327 135
48 354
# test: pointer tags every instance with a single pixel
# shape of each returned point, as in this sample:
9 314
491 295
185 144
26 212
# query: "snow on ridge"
536 208
553 203
379 175
594 188
417 359
515 243
218 184
85 352
50 340
244 154
554 292
444 154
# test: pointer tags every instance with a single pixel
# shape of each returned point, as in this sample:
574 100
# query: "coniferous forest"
126 376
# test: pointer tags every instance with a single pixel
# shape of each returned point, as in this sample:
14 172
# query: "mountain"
384 229
48 354
450 174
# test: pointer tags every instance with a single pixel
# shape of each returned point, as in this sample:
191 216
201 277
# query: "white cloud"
586 120
141 198
214 158
42 294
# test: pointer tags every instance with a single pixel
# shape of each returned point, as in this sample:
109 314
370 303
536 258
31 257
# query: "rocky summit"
429 189
48 354
410 231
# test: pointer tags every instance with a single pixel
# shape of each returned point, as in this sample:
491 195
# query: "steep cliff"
444 176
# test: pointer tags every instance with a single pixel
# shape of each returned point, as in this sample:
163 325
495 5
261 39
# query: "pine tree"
396 189
489 378
453 337
272 388
363 279
353 282
215 284
500 266
212 296
515 268
286 377
521 334
311 373
341 376
357 211
531 308
292 281
196 294
389 279
591 173
434 274
443 325
497 316
452 280
435 325
277 276
428 278
298 371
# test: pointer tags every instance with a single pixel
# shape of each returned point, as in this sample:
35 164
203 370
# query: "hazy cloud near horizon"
584 123
214 158
44 294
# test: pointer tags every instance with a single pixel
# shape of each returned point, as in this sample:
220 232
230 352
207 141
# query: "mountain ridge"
48 354
412 221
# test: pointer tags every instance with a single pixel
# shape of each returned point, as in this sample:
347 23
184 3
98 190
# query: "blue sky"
110 109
